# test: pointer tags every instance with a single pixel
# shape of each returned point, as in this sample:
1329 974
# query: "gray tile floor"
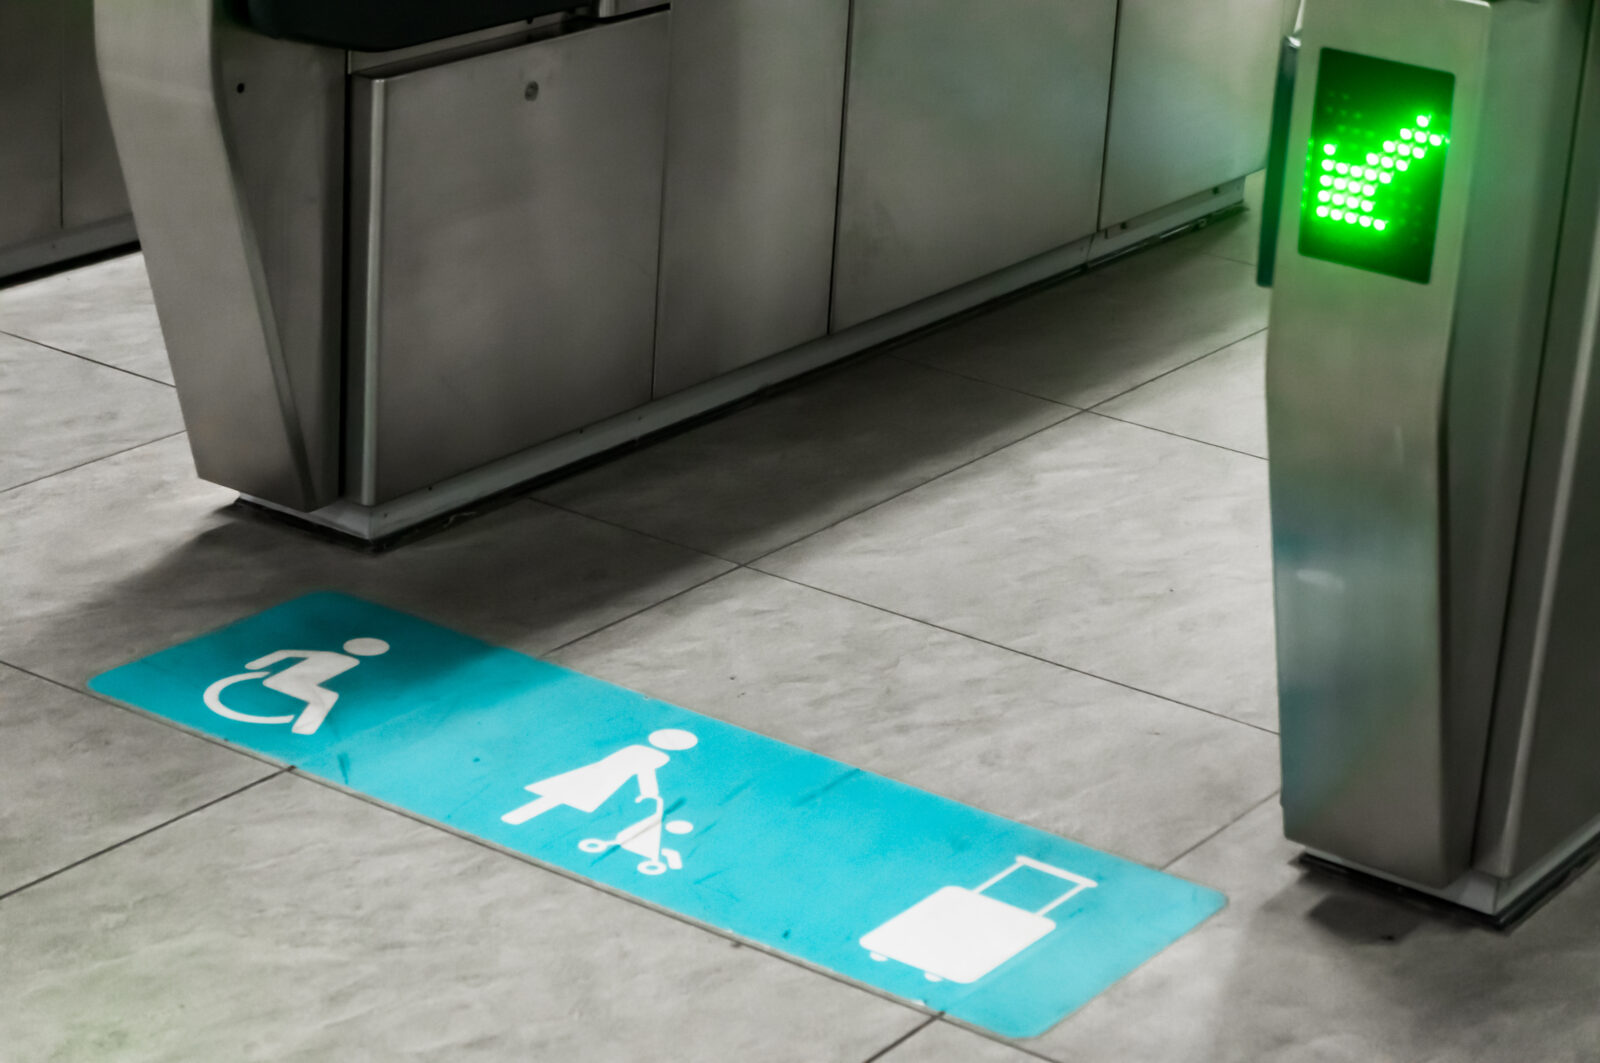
1021 561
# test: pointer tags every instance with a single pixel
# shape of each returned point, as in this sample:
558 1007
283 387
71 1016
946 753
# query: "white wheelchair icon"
302 681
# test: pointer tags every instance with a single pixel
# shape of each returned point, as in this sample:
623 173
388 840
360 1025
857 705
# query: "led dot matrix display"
1380 134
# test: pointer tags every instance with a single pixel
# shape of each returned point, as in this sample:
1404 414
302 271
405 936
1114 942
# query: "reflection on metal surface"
383 519
1542 784
30 117
757 92
505 280
91 178
60 186
1356 369
974 131
243 239
1401 404
1190 99
505 314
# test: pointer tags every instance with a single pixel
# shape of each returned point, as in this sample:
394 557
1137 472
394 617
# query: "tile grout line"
1219 830
914 487
94 695
1026 1050
86 358
902 1039
947 371
640 611
93 461
610 891
1015 1046
1163 375
1230 258
1073 412
143 834
483 843
1094 405
1175 435
654 537
1013 649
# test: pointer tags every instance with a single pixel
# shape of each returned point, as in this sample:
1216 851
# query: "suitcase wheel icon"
960 935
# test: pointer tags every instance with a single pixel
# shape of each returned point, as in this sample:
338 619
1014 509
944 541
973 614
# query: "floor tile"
57 411
1095 336
1131 554
294 922
767 475
126 556
1220 399
942 1043
1237 237
104 311
1088 760
1301 968
77 775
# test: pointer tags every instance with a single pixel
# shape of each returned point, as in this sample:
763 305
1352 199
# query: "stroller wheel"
652 867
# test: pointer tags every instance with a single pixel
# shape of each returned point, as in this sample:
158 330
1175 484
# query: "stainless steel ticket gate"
1434 443
409 254
61 190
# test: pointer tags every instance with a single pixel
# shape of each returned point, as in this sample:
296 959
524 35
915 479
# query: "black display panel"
1375 163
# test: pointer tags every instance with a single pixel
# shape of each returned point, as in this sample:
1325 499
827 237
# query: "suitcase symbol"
960 935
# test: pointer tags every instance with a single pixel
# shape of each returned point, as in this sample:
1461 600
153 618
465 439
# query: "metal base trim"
1502 903
1168 221
68 244
386 519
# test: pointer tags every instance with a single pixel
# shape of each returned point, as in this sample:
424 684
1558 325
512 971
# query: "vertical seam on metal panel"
61 117
1519 536
838 185
266 311
371 285
1105 140
1571 438
345 367
661 213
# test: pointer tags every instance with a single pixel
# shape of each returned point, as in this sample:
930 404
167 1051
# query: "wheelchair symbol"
301 681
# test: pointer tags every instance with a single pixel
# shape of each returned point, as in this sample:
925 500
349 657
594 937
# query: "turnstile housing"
1417 406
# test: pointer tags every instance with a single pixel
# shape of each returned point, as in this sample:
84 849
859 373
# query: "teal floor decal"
992 922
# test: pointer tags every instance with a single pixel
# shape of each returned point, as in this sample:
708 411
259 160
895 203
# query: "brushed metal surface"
974 133
65 244
753 124
92 190
232 147
510 239
30 121
371 522
1541 786
1356 374
1191 100
1508 269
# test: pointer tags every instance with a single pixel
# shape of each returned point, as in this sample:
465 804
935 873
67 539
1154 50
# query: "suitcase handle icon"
960 935
1079 882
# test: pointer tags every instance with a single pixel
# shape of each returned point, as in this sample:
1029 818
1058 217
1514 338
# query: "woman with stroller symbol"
589 787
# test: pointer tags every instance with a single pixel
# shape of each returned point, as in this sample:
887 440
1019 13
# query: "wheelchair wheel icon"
213 699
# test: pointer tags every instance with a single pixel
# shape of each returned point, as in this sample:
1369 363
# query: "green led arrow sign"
1380 135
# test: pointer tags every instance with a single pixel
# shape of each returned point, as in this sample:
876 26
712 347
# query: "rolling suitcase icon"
960 935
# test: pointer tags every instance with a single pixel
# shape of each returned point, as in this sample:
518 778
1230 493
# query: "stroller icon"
644 839
592 785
